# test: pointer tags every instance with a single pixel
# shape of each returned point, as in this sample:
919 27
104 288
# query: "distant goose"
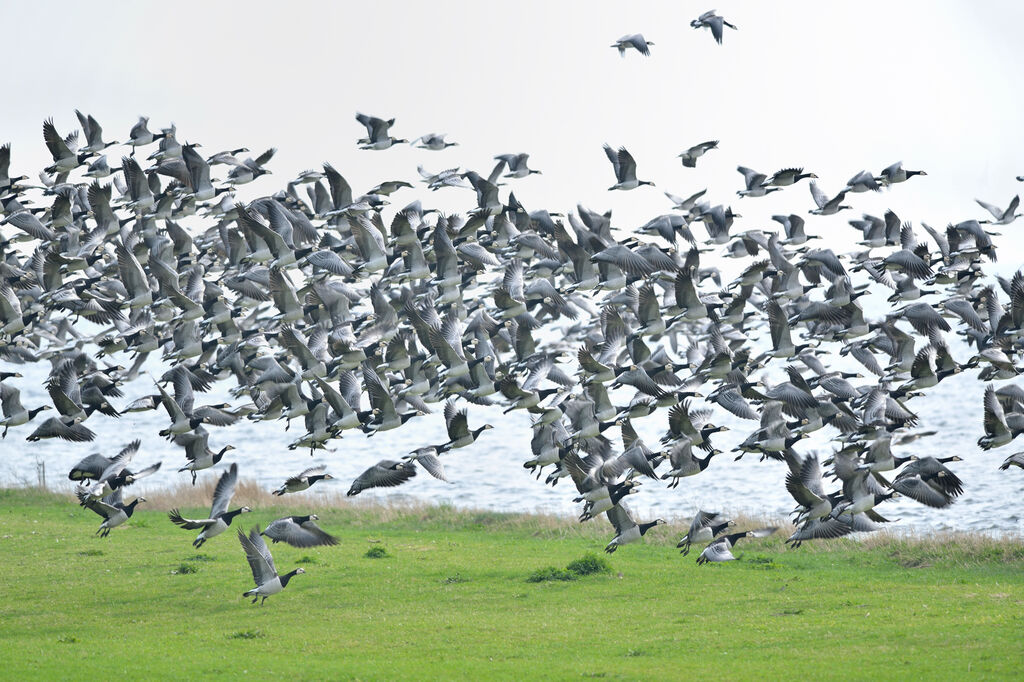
712 21
377 135
787 177
268 582
635 41
111 508
690 156
1002 216
896 173
93 133
304 480
625 169
862 182
64 158
433 141
299 531
140 135
220 518
384 474
516 163
703 528
756 184
825 205
100 168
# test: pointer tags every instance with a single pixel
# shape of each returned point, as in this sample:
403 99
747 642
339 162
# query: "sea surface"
489 474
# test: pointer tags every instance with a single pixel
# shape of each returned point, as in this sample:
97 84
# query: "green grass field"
450 598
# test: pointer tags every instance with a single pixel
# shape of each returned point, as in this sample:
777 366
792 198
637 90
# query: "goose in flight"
433 141
384 474
15 413
377 133
825 205
626 529
516 163
895 173
220 518
714 22
111 508
267 580
304 480
299 531
1002 216
690 156
625 169
635 41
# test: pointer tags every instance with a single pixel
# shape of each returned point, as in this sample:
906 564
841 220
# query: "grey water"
489 474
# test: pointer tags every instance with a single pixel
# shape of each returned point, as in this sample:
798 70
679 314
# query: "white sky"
834 87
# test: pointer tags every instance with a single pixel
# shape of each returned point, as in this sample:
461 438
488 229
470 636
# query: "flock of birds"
318 305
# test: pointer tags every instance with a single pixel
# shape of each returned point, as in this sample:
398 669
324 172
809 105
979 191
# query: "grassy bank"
451 597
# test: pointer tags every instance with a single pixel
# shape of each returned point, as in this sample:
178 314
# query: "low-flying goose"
304 480
111 508
220 518
299 531
721 548
703 528
626 529
268 582
198 452
110 473
384 474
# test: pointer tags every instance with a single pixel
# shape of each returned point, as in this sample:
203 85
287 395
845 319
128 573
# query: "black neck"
286 577
644 527
228 517
715 530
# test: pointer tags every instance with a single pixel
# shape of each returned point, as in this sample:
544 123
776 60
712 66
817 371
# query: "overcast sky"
834 87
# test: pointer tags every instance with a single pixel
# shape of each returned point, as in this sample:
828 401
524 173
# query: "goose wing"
258 556
189 524
224 490
305 534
